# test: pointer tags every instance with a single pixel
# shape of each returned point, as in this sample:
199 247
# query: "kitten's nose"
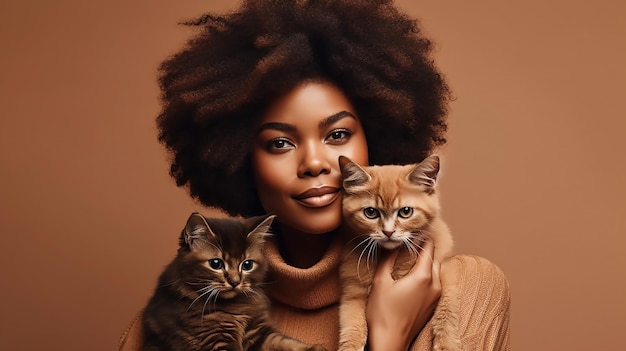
389 233
233 282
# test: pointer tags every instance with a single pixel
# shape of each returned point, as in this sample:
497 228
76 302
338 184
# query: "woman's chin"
312 221
319 225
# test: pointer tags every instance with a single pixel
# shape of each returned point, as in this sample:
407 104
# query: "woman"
256 110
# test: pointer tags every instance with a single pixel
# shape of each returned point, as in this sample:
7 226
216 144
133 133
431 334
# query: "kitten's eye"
216 263
405 212
247 265
371 212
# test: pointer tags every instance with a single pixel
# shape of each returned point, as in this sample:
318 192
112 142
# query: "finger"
427 253
424 264
385 264
387 259
436 270
435 274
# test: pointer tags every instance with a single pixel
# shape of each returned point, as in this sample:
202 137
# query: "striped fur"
209 297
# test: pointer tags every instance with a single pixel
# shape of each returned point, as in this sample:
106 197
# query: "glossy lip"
318 197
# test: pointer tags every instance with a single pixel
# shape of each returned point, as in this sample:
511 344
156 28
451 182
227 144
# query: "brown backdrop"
534 171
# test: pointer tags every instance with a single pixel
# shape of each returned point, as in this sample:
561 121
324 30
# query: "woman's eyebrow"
283 127
334 118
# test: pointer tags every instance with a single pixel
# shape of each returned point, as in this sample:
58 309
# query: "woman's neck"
302 250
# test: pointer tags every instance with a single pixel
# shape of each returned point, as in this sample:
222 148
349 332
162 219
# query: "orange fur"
392 207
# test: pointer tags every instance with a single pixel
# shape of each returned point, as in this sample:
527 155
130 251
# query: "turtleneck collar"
309 288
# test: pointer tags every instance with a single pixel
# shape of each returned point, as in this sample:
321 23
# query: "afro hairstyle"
226 75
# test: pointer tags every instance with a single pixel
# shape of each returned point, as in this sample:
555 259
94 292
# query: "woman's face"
295 156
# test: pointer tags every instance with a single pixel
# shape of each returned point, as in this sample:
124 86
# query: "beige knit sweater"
305 303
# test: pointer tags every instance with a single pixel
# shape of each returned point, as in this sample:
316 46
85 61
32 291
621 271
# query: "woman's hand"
397 310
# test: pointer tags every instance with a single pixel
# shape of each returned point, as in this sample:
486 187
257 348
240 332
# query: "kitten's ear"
353 175
426 172
196 230
261 228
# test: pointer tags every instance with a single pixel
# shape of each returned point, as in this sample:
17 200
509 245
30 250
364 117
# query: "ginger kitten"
392 207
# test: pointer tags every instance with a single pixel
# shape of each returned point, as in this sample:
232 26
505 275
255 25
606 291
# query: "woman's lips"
318 197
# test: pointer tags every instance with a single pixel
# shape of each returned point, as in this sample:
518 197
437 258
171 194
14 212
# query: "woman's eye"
338 136
216 263
279 145
247 265
371 212
405 212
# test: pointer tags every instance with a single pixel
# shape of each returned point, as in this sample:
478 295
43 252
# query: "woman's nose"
314 161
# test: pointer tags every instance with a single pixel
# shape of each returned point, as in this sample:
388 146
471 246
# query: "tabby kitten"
392 207
209 297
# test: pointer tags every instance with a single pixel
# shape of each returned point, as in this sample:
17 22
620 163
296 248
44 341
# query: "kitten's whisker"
213 295
172 283
369 248
204 290
209 291
410 246
365 239
267 283
421 248
254 292
424 233
371 255
370 243
204 308
205 287
365 236
432 225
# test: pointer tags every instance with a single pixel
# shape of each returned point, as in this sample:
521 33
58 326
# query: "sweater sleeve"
484 307
485 303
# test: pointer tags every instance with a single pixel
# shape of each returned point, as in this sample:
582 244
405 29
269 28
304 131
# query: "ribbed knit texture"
309 289
485 302
305 303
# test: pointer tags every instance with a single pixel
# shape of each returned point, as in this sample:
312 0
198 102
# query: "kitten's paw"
317 348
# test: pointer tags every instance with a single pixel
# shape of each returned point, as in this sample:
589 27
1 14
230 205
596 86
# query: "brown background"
534 171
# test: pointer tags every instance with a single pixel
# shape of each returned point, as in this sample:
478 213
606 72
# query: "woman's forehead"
315 103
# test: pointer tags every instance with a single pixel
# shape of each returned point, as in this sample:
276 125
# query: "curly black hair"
225 77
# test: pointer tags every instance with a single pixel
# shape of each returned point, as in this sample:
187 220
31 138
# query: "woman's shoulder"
477 265
485 300
480 274
132 337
